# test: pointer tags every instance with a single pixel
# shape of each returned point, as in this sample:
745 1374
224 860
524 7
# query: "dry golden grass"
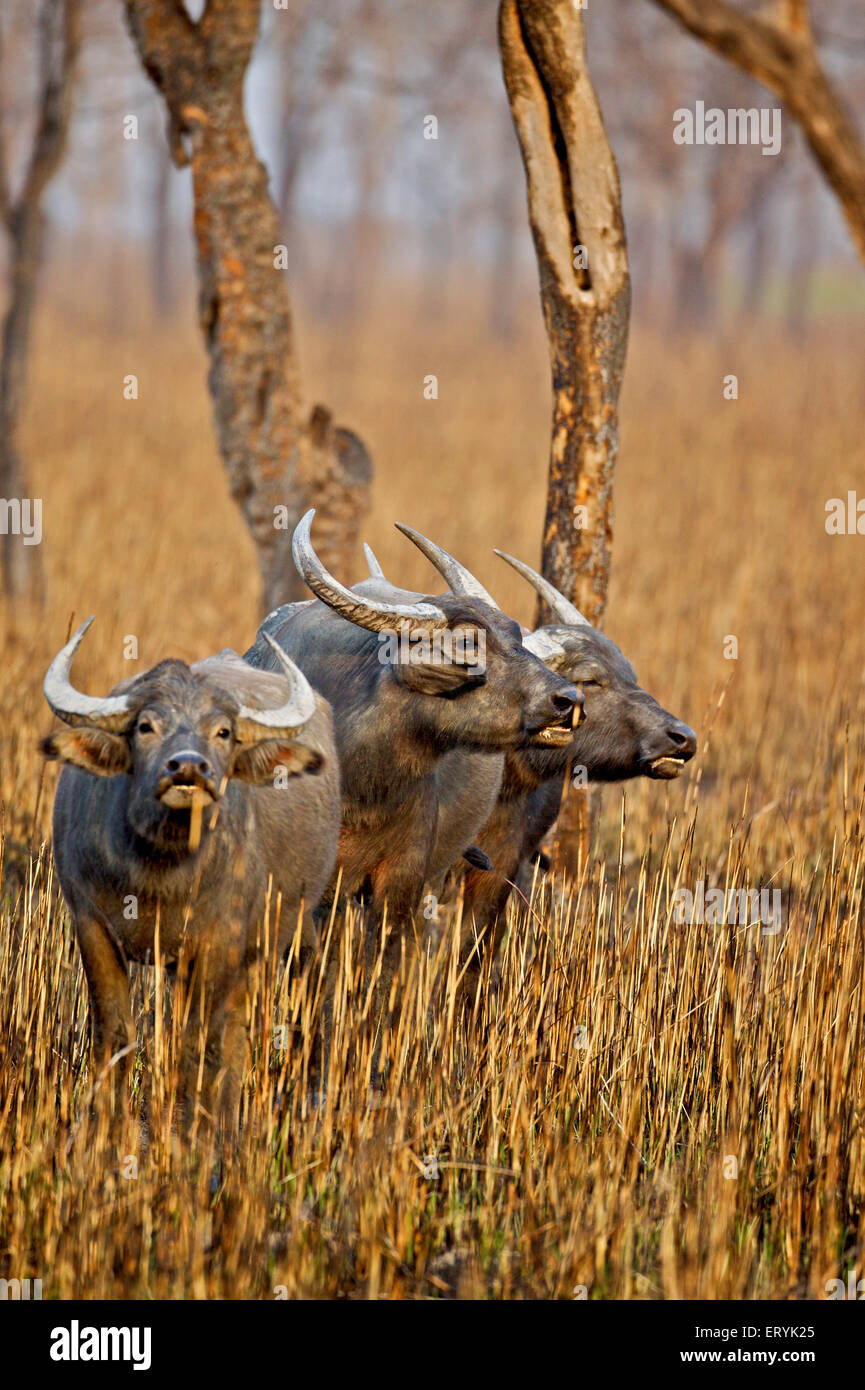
559 1164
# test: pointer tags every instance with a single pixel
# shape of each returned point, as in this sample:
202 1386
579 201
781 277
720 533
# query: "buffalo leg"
110 1009
485 901
397 886
214 1038
201 1044
234 1043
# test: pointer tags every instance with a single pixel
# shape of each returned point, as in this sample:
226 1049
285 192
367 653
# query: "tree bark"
574 202
24 220
279 457
780 52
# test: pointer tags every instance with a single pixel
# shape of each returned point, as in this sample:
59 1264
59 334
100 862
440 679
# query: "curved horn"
371 614
372 564
112 712
457 576
564 610
542 645
253 724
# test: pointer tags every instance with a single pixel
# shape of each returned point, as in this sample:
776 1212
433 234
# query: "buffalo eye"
224 732
144 726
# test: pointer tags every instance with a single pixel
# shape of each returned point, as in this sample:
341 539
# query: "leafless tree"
574 202
161 232
777 47
23 217
576 218
280 457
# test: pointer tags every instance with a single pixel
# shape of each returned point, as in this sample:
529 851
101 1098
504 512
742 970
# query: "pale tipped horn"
111 713
459 579
251 725
542 645
371 614
562 607
372 564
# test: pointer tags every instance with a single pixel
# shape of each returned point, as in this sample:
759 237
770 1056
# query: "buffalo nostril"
682 737
190 763
565 700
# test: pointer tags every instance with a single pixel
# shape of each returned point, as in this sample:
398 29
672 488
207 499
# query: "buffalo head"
477 684
626 733
181 734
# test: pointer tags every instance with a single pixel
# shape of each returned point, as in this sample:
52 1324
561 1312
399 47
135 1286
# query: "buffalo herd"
374 745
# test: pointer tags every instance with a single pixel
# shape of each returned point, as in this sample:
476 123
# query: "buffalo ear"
437 678
93 749
269 761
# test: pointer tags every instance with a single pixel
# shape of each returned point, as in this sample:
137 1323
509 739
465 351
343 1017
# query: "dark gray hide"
625 733
403 728
122 828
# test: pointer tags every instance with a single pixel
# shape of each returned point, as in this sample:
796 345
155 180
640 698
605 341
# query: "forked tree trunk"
280 457
574 202
24 220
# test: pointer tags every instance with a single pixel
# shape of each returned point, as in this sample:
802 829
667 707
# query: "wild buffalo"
192 795
416 684
624 733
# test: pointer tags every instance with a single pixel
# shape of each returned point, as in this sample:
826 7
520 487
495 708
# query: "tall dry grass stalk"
638 1107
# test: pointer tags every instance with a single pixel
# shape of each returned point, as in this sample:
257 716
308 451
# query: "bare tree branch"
781 53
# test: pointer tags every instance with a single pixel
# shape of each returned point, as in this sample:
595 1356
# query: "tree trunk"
22 568
759 257
803 257
574 202
505 259
162 269
24 220
280 458
693 304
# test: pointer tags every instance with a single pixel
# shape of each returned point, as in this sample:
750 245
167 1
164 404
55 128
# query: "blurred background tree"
38 60
335 101
388 232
